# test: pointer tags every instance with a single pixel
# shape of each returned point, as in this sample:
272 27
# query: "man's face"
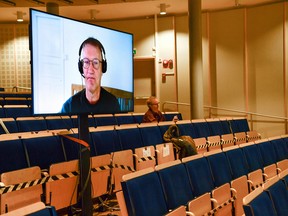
92 73
154 105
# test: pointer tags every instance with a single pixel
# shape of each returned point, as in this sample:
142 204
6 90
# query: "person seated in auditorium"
93 98
153 113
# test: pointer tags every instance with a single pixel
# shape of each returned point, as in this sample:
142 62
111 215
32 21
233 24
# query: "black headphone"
95 42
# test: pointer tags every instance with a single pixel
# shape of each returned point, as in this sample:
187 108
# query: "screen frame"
32 45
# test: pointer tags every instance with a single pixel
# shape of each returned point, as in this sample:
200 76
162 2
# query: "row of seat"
35 209
239 168
203 129
15 101
15 98
46 151
19 119
103 140
270 199
62 192
194 128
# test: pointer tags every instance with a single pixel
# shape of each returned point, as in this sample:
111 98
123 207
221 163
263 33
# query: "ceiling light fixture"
162 9
95 1
37 2
93 14
67 1
237 3
8 2
20 16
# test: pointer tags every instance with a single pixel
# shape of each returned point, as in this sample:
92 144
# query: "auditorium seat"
237 161
201 128
227 140
255 179
31 124
2 111
225 197
255 164
8 125
215 127
214 142
278 193
280 147
91 121
72 148
35 209
282 165
240 138
169 116
225 122
62 193
269 171
151 134
253 136
123 164
201 145
180 211
164 152
105 119
253 156
138 117
43 150
220 168
175 183
261 155
285 139
163 126
239 124
241 186
186 128
17 101
105 140
199 173
100 175
258 203
124 118
59 122
12 155
25 196
121 203
143 193
201 205
284 177
144 157
129 136
267 151
14 111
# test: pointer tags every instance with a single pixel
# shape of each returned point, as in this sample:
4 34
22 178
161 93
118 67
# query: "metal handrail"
175 103
249 115
20 87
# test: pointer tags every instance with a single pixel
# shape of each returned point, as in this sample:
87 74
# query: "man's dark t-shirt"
78 103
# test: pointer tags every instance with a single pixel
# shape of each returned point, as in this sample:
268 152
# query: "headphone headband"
97 43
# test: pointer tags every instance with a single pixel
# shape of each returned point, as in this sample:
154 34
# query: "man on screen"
94 98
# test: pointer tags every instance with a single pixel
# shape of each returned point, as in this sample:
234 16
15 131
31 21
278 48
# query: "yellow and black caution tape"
148 158
202 146
212 144
217 208
47 178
